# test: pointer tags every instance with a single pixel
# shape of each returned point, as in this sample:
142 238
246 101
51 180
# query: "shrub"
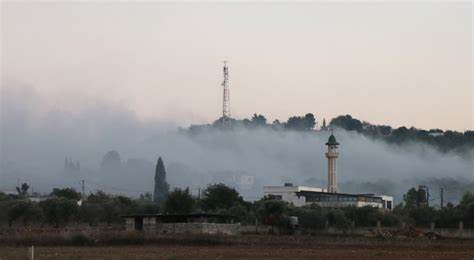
337 218
58 211
179 201
220 196
313 217
81 240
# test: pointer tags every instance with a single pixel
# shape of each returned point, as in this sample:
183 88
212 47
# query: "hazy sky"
389 63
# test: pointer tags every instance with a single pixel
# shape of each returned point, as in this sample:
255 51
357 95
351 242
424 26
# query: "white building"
289 193
304 195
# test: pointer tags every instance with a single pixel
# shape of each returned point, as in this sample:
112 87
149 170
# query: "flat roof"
292 188
314 190
340 194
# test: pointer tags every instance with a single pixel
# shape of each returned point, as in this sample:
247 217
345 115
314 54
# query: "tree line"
444 141
67 206
295 123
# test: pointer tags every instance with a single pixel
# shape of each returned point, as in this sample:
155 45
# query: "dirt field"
259 247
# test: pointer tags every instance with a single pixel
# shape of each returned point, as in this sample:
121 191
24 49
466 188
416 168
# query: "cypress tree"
161 186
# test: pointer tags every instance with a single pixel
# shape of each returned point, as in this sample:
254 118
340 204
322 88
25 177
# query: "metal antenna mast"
225 100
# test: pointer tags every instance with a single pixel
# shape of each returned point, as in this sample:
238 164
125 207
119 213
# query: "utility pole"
427 196
83 190
442 196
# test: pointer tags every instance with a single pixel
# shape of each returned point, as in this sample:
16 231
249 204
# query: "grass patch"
113 239
122 238
206 240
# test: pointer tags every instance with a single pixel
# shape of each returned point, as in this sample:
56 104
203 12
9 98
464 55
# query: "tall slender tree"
161 186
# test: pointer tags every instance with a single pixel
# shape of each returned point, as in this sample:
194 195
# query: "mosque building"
327 197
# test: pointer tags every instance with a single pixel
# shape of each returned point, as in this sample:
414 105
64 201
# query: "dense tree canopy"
220 196
67 193
301 123
467 208
23 190
347 122
258 121
99 207
179 201
58 211
272 212
414 198
444 141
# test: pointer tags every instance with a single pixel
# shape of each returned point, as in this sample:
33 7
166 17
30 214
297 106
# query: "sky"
402 63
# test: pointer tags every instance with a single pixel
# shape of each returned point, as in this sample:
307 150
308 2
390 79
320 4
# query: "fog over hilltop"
36 139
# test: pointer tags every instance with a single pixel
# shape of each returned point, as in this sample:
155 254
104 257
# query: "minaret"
332 154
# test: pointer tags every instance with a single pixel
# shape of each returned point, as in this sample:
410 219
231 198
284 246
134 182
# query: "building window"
275 197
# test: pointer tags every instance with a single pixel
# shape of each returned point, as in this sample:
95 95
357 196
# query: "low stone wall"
149 224
194 228
260 229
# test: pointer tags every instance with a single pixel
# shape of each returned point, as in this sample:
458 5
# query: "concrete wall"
151 226
195 228
129 224
260 229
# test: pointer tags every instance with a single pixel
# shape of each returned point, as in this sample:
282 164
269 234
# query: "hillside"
444 141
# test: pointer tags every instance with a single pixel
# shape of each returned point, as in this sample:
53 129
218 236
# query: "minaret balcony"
332 154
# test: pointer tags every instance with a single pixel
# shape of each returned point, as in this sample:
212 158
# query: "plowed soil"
265 247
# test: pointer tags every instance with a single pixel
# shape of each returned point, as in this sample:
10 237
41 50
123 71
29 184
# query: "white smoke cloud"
35 140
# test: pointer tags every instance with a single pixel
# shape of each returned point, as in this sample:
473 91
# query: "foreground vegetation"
66 207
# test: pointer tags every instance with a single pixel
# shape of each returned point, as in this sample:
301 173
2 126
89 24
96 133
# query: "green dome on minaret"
332 140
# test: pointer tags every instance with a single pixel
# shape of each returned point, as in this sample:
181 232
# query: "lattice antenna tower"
226 97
